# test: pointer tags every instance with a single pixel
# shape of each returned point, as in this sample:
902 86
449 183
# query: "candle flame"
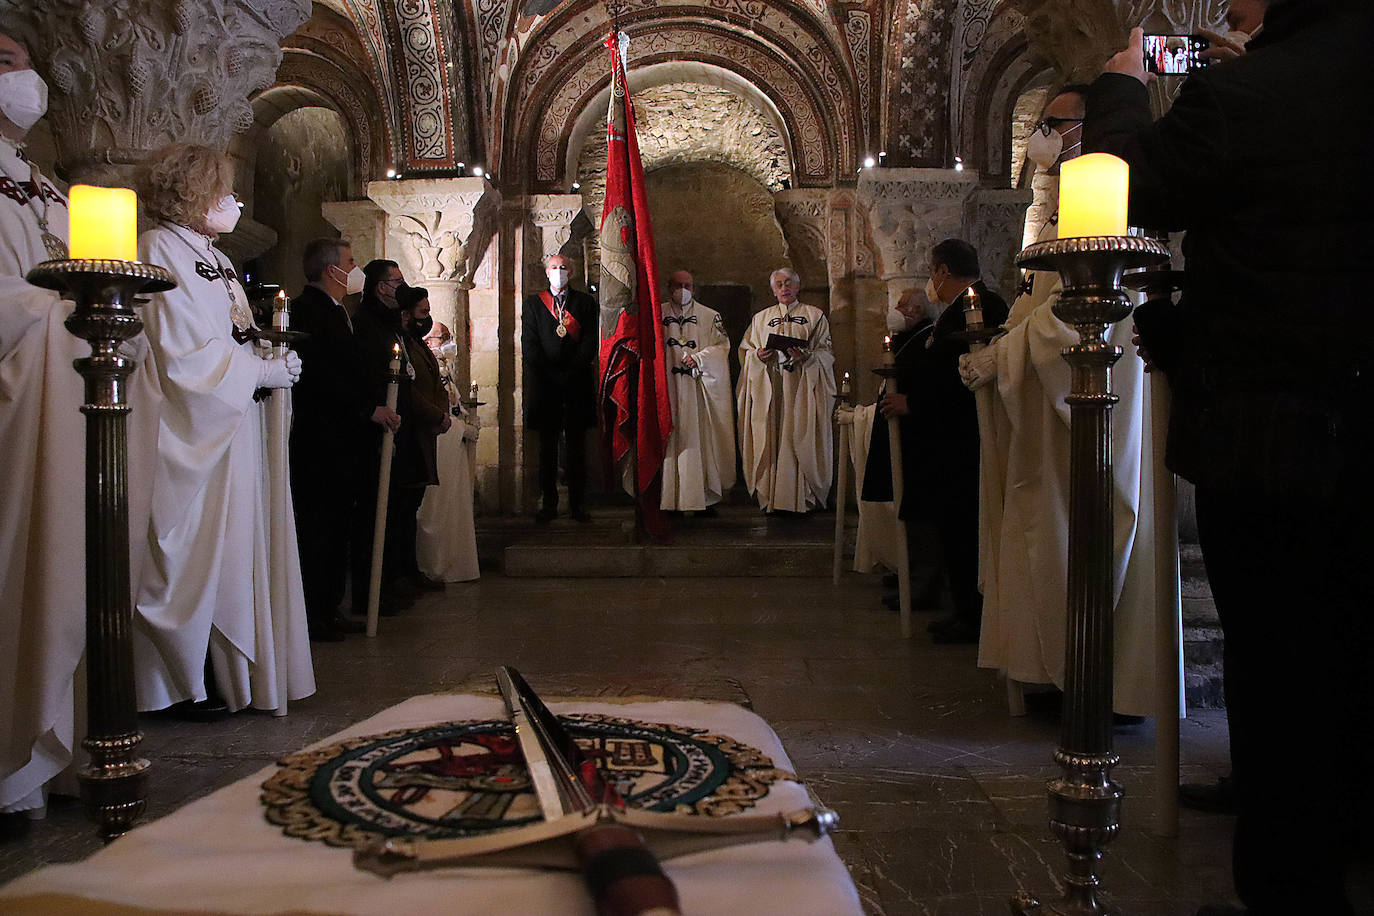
887 342
971 293
396 348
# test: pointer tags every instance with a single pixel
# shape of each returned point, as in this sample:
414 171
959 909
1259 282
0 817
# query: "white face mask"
1044 150
353 280
682 296
933 295
448 348
558 278
23 97
225 215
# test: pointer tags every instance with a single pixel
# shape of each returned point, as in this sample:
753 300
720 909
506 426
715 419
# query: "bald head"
1246 15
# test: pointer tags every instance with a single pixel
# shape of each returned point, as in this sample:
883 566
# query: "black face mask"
422 326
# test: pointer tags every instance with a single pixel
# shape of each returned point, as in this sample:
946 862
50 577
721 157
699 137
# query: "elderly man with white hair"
785 396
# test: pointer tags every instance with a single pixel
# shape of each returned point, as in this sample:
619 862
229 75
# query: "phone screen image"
1174 54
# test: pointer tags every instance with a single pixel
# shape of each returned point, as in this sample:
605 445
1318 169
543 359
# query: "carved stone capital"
430 222
128 78
362 222
1076 36
996 219
802 214
909 211
553 215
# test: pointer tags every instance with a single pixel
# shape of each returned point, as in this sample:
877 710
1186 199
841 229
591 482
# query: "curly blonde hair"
182 182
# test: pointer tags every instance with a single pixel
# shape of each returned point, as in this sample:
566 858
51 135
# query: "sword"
587 826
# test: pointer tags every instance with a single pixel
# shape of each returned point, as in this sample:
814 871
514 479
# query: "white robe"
699 466
1023 536
785 435
213 572
446 539
42 519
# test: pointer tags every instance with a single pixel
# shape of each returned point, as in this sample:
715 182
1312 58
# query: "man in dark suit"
559 339
328 418
379 336
1263 160
939 425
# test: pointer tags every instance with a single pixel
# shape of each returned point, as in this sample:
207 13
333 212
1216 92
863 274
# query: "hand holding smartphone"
1174 55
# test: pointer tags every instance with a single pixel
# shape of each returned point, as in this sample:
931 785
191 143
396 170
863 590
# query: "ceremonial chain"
239 313
56 248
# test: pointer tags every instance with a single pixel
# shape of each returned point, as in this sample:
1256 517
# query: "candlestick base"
885 371
278 336
977 335
1085 804
104 293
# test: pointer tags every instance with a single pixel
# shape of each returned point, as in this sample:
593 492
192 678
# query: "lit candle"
887 350
1093 193
472 392
395 358
281 312
973 311
104 223
844 385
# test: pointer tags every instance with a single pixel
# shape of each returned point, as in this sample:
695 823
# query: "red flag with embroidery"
634 381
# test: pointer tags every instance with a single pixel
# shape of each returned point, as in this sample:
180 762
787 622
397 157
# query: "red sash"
569 322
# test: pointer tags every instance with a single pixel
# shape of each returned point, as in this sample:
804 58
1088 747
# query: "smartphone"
1175 54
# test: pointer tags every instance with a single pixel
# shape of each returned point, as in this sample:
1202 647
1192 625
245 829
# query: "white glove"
473 425
978 368
279 373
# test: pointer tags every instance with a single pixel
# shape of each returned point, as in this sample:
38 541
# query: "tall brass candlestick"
113 782
1085 804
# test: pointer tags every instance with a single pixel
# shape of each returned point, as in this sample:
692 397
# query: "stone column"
362 222
126 79
908 211
429 223
552 217
996 218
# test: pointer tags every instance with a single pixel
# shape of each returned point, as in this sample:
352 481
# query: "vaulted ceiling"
438 87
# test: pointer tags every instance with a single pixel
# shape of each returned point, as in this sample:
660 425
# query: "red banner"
634 381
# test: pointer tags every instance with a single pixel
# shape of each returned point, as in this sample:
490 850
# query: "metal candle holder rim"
55 275
1037 256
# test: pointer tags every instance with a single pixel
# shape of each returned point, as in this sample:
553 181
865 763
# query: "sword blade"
542 743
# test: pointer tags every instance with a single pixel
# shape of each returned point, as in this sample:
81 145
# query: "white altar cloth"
220 855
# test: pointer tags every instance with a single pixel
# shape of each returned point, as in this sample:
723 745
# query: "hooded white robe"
699 466
785 435
42 517
446 538
213 573
1023 537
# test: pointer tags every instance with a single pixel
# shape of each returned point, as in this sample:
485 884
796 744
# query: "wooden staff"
842 480
374 582
279 427
1168 622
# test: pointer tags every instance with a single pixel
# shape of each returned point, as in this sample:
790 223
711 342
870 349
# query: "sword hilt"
625 878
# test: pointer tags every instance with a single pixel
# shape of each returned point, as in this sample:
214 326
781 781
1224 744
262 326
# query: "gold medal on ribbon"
561 330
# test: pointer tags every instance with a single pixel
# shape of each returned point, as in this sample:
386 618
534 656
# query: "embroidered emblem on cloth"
464 778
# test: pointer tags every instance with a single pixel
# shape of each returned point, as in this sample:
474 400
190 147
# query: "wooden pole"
279 431
374 582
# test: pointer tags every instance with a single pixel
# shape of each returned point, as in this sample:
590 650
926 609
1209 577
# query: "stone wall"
718 223
303 161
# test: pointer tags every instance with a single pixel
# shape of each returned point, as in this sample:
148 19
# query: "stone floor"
940 792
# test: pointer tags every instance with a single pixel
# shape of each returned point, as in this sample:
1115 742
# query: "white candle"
973 311
281 312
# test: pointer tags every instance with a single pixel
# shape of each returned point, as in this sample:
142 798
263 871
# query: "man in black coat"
380 338
1263 160
559 339
328 419
939 426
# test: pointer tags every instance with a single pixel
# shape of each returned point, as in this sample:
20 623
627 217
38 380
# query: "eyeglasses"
1047 124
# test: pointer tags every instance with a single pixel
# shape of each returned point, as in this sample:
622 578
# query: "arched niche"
818 112
302 160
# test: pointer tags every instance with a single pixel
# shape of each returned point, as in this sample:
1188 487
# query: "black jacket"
940 435
329 400
1264 161
560 372
377 330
